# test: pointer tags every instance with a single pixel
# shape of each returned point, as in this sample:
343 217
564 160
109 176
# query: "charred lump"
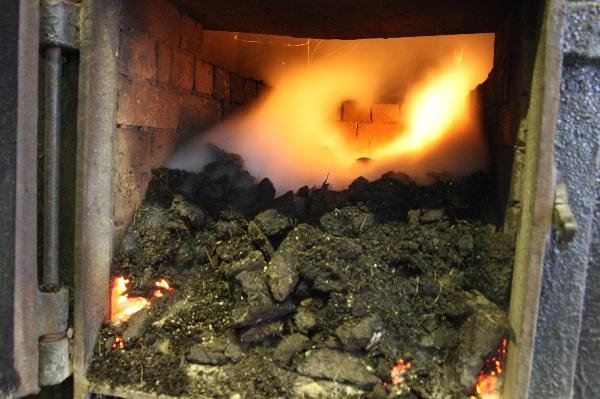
317 292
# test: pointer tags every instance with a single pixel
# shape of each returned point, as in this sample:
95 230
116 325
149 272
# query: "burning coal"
488 381
326 287
122 307
398 373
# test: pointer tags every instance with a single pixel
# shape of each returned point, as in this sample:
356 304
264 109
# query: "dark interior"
336 19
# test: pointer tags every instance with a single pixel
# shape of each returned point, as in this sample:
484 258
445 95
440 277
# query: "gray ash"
317 293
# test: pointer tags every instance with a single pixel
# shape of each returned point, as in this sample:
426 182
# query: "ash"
317 293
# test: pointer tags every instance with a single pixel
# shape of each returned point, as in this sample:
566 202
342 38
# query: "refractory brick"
354 112
141 104
139 56
203 77
221 84
385 113
182 71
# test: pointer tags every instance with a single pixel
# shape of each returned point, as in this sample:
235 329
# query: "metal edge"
99 23
537 202
26 339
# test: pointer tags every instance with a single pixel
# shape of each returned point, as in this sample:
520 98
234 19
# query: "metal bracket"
59 30
564 220
53 316
59 24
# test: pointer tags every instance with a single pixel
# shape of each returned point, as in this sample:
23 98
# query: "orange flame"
122 307
488 382
397 375
118 343
292 136
162 284
433 107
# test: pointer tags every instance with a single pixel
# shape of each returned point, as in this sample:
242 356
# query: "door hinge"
59 24
52 310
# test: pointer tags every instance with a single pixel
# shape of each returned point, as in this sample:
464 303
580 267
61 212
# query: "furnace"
296 171
299 199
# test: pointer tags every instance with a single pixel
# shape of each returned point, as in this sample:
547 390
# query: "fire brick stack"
166 89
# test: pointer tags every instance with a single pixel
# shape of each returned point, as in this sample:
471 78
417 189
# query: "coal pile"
315 293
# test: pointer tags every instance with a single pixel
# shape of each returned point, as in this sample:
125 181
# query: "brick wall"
166 92
369 124
505 99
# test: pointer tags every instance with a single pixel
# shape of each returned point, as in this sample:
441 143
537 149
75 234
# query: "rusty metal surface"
53 312
587 372
59 25
9 49
51 211
96 125
567 323
582 36
348 19
563 289
23 136
537 202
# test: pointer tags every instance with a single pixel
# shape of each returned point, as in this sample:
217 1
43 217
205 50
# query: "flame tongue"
161 285
123 307
433 106
293 138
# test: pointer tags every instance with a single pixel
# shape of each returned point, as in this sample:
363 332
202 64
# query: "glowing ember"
118 343
489 377
397 375
122 307
162 285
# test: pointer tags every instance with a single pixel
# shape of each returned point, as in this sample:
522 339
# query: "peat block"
357 335
282 273
324 290
216 352
289 346
337 366
480 337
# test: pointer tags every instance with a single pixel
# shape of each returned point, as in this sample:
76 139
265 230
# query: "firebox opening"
403 104
275 246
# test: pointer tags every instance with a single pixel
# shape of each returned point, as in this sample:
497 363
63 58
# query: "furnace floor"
418 258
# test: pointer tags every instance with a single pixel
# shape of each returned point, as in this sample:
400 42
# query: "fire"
122 307
433 107
118 343
487 384
397 375
161 284
293 138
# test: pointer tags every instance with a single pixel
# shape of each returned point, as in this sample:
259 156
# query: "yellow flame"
122 307
433 107
293 138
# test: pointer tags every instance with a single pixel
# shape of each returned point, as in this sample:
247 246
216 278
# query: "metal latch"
564 220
